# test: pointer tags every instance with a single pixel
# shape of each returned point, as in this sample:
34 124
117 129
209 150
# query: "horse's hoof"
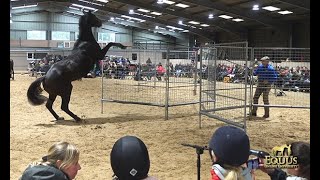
60 118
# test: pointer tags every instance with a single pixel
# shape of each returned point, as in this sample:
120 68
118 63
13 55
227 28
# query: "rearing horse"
57 82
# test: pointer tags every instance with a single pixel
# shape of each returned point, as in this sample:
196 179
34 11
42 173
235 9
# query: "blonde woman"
61 163
229 150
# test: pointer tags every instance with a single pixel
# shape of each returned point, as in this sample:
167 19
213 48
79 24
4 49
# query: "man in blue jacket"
267 75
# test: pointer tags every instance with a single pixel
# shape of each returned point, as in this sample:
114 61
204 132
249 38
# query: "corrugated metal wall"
18 34
269 38
20 61
301 35
62 22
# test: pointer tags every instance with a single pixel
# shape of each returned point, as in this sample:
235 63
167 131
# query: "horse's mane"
82 21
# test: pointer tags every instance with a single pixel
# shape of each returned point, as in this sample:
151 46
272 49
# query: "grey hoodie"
43 172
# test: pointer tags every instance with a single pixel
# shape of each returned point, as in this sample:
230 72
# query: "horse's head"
89 19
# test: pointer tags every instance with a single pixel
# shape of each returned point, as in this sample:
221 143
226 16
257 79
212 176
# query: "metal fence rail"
143 83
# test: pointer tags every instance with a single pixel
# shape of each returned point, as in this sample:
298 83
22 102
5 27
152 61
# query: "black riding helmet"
231 145
130 159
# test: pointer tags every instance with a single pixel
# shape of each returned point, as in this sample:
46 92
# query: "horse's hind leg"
49 104
65 104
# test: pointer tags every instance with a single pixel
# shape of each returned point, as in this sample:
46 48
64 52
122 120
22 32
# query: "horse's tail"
34 92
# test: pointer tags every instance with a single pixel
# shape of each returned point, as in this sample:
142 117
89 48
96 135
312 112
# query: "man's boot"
266 112
254 111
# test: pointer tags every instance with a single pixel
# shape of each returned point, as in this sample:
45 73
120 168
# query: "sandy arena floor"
32 131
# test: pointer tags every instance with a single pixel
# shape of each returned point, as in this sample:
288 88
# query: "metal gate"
228 83
224 83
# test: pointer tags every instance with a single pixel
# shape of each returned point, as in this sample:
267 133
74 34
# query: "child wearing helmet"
229 149
130 159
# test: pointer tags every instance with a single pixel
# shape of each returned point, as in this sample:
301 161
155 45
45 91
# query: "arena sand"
33 130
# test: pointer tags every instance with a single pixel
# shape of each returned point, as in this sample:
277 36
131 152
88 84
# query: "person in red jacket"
229 149
160 71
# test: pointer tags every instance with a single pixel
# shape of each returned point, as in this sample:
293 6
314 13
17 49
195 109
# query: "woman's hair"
63 151
231 146
233 173
301 150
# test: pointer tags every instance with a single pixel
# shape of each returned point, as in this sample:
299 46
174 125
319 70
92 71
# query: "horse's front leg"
49 104
65 103
108 46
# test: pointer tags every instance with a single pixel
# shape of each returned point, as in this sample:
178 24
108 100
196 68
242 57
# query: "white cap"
265 58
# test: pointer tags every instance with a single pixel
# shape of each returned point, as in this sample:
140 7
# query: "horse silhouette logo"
284 150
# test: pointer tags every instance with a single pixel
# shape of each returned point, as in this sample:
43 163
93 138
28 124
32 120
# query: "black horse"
57 82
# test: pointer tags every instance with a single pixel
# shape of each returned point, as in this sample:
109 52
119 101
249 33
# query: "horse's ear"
82 10
89 12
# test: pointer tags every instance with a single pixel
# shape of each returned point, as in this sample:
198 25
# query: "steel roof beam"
229 29
249 15
202 33
297 3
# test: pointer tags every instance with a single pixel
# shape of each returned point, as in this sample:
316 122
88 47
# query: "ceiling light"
180 22
204 25
161 28
285 12
255 7
91 3
143 10
182 5
74 13
172 27
271 8
104 1
225 16
129 17
185 31
147 16
157 27
156 13
210 16
168 2
120 18
25 6
112 19
131 11
160 1
193 22
237 20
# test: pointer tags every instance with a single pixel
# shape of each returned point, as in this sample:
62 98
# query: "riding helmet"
230 145
130 159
